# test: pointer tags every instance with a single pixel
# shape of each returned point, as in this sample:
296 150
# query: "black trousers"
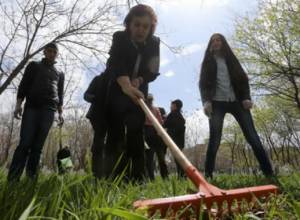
245 121
180 171
179 141
125 141
35 126
98 148
157 147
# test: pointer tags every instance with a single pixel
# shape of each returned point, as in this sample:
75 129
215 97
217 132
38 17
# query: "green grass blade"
123 213
27 211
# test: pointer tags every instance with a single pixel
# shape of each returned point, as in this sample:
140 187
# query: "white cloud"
164 62
215 3
192 48
169 73
188 5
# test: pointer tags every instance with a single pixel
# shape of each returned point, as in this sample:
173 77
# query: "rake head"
214 200
230 201
210 199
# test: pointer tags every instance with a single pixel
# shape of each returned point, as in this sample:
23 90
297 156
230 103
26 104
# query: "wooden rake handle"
176 152
193 174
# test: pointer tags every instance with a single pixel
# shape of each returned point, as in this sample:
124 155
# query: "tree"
269 45
81 28
279 126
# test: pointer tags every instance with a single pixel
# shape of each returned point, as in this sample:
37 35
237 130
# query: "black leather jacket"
123 55
42 85
175 124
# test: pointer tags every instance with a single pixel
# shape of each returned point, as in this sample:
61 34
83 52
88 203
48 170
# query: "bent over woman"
133 64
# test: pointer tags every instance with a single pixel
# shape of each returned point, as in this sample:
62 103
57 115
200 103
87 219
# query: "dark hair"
162 111
139 11
51 45
150 96
225 49
232 62
178 104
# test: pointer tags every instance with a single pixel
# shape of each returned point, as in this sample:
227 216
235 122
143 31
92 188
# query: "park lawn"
77 196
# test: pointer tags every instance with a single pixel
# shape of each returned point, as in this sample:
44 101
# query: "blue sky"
190 23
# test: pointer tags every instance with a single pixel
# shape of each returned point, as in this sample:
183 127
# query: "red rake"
214 200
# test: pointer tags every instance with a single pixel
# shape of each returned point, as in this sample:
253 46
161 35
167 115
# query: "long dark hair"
139 11
233 65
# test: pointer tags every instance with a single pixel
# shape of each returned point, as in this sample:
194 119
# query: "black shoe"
208 176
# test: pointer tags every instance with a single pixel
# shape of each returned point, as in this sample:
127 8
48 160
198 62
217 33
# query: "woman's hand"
207 109
18 112
60 117
133 93
18 109
137 82
129 89
247 104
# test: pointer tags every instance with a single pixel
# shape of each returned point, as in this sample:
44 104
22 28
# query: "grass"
77 196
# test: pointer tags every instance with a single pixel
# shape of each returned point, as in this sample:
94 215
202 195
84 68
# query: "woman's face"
139 28
216 43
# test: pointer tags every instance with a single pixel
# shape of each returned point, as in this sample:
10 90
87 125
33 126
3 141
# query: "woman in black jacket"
224 88
133 63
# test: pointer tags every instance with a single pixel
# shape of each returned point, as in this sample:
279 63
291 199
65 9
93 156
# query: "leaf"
123 213
252 216
72 214
296 207
27 211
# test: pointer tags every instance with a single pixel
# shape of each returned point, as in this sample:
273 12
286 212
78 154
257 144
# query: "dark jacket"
96 94
208 79
123 55
175 124
42 85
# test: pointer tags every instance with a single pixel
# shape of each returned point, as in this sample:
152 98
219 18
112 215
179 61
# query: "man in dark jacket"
175 124
42 86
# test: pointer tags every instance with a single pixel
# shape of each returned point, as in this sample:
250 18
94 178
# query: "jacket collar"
47 62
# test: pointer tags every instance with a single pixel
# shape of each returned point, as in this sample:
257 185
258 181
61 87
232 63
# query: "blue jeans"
35 126
245 121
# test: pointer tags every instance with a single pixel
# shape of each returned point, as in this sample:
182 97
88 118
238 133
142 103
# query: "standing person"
154 142
175 124
224 88
164 117
96 94
133 64
163 113
42 86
